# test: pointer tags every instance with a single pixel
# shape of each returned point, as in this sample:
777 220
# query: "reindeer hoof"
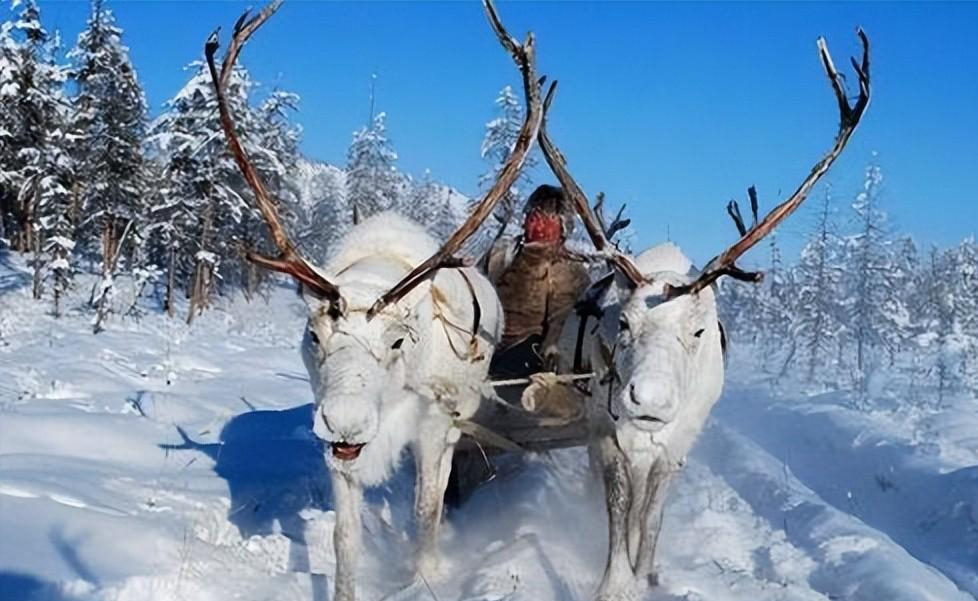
618 594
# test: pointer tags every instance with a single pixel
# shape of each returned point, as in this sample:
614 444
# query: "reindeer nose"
642 396
651 401
343 428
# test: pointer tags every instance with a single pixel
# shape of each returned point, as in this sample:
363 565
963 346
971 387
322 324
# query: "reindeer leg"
433 456
618 575
653 506
347 495
641 491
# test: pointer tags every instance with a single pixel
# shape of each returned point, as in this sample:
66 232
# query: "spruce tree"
108 128
198 213
372 181
817 321
877 317
33 166
37 171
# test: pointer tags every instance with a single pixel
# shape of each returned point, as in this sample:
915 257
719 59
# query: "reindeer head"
660 353
360 368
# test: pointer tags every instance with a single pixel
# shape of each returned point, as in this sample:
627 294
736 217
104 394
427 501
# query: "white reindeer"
658 364
396 354
657 353
400 379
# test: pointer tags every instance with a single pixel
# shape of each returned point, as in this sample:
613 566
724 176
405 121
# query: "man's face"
542 226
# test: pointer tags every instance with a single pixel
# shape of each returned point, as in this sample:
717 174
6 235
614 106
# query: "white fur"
368 392
668 379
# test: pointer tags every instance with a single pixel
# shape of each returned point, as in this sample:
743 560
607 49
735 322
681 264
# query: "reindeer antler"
849 117
524 56
558 164
289 260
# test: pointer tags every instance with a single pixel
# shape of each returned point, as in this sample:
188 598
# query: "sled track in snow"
827 457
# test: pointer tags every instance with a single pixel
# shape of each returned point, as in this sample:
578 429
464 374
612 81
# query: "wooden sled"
539 413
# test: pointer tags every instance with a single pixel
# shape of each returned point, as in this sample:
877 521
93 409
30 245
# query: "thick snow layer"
156 461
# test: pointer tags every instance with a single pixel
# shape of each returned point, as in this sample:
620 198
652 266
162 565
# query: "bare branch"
524 56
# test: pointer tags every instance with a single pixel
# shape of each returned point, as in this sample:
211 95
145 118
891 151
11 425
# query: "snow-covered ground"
157 461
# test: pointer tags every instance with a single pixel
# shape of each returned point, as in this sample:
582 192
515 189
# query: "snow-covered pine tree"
738 306
877 318
9 92
940 319
322 207
372 180
965 291
203 202
776 311
31 129
422 204
817 319
910 279
37 170
446 218
54 228
108 128
497 144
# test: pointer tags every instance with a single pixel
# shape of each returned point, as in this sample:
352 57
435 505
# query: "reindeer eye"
314 337
397 344
698 333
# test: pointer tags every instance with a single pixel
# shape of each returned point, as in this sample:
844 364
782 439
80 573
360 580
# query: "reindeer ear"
592 298
315 302
318 304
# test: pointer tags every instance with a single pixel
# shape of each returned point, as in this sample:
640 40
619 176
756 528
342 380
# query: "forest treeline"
861 301
89 183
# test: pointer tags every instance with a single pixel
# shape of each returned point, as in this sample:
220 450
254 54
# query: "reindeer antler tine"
733 209
752 195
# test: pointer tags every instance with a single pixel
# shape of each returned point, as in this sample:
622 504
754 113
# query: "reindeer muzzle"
346 452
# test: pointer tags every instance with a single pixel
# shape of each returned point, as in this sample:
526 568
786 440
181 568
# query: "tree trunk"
109 243
37 288
168 302
202 271
194 294
201 290
75 210
26 222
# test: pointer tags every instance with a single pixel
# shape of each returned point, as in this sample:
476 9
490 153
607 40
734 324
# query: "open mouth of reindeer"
345 451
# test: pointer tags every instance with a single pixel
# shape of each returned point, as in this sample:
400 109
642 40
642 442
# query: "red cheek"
540 227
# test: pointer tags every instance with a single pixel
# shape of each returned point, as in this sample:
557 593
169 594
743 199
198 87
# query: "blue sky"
672 108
